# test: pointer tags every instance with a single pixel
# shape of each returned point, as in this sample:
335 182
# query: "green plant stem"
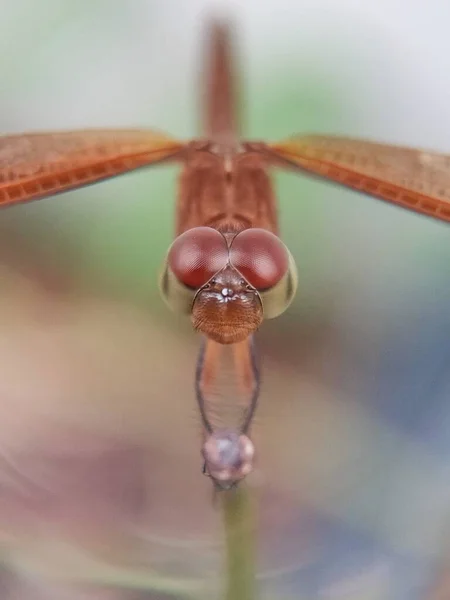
240 534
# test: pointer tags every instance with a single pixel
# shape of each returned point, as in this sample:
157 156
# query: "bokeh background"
101 494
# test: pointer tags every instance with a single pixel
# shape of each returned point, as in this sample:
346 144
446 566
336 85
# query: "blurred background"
101 494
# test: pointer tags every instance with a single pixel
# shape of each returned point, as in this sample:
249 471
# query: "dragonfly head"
228 283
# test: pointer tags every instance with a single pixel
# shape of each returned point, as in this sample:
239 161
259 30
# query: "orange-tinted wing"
34 165
414 179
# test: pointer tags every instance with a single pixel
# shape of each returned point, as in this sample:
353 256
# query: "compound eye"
260 256
196 255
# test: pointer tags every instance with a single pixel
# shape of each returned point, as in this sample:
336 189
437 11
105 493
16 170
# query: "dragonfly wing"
35 165
418 180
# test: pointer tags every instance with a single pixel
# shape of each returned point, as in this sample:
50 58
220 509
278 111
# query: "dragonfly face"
227 309
228 282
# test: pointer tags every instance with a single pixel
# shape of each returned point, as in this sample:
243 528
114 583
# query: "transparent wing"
34 165
415 179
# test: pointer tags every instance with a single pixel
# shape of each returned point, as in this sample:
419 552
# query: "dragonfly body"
227 190
225 186
227 268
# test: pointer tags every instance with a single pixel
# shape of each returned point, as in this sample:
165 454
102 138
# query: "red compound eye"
196 255
260 256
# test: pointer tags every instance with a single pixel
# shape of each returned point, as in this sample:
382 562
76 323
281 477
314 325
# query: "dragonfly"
227 268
